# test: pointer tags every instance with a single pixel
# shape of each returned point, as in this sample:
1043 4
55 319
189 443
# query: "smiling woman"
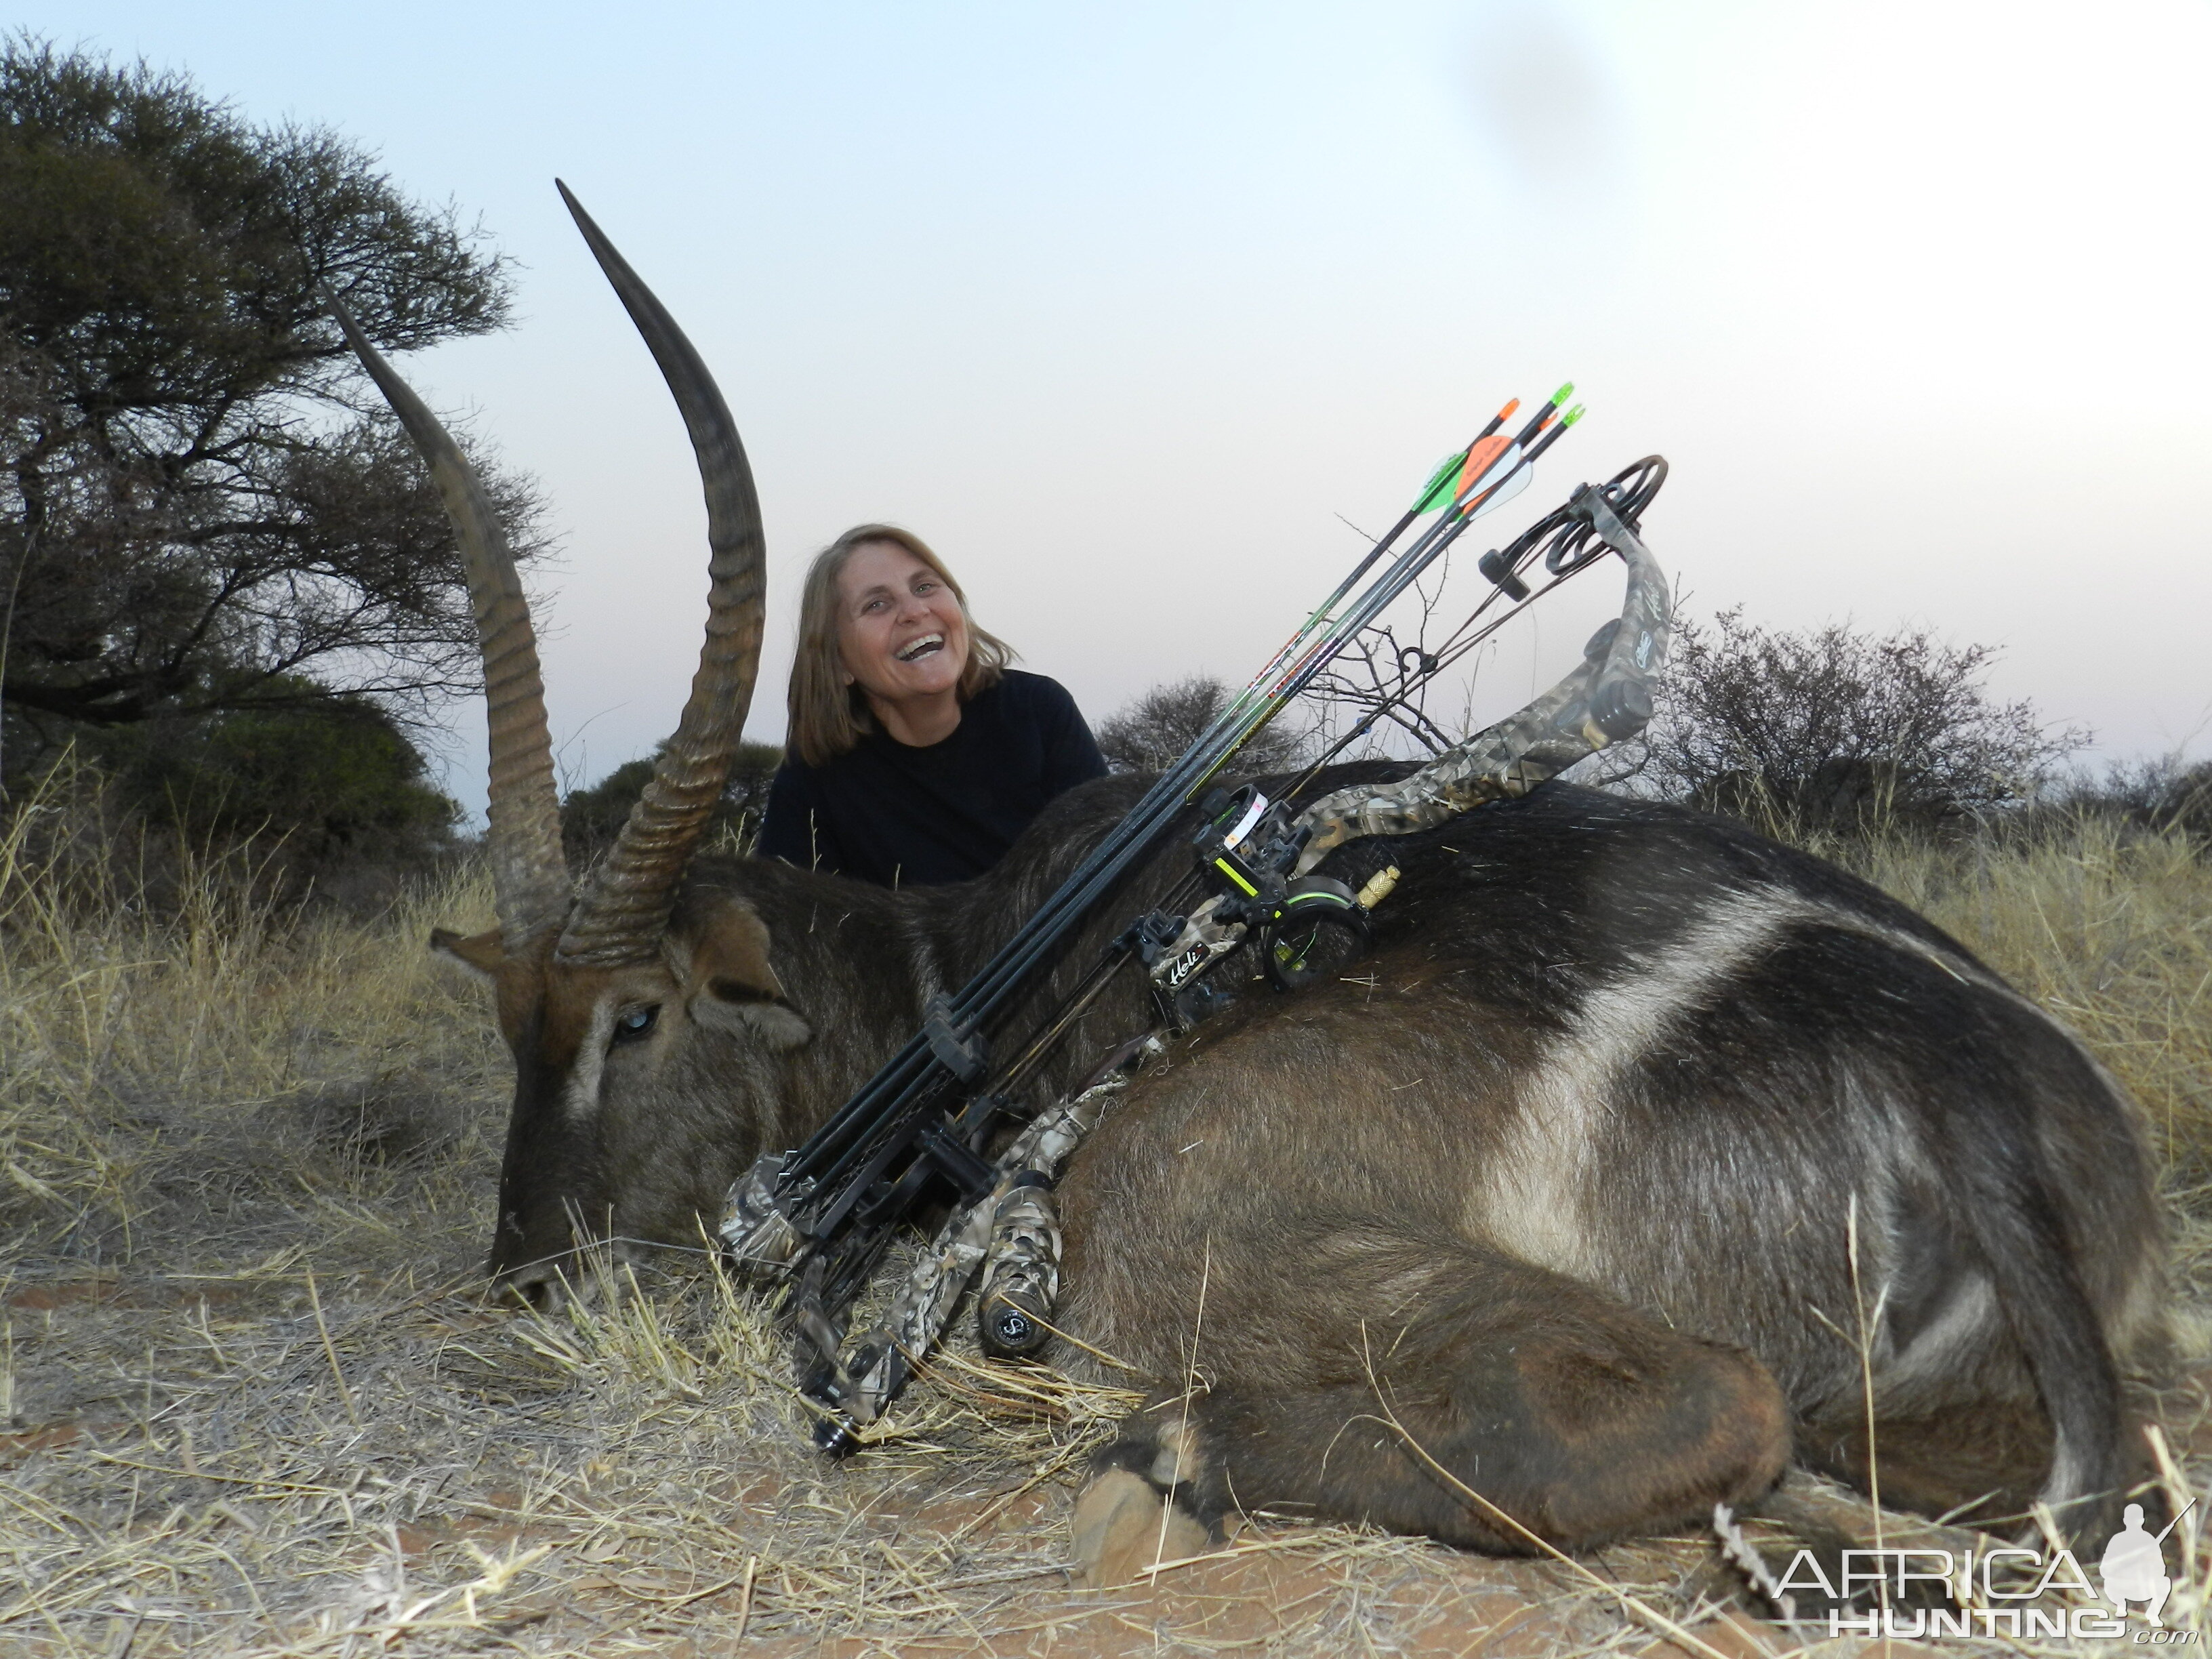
917 756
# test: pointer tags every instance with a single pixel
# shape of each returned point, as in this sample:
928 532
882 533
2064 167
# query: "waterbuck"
1636 1151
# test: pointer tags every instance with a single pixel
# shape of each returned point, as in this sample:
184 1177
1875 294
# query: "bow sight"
1247 850
819 1218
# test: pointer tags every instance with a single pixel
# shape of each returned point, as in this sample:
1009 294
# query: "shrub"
1837 726
329 799
331 778
1150 733
2160 796
591 817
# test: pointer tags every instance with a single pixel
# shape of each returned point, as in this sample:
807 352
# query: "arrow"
1509 474
1554 435
1431 495
1482 454
1439 489
1501 469
1545 414
1505 462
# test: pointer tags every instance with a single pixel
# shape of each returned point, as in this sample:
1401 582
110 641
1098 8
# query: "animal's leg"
1982 1462
1427 1386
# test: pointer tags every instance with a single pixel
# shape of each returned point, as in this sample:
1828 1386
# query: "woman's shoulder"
1017 689
1038 716
792 773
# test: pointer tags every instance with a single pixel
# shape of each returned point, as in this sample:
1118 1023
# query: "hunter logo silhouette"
2134 1568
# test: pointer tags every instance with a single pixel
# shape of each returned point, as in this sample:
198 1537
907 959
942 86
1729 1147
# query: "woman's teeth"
922 646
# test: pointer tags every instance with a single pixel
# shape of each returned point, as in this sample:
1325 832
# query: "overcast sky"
1121 306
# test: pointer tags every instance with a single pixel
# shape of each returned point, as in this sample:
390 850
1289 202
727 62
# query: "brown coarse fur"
1637 1145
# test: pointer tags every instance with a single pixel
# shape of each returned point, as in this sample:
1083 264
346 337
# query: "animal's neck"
887 953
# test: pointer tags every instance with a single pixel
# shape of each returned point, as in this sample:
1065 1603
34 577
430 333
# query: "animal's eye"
631 1024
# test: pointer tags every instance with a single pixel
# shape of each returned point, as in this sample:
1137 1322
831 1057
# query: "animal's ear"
731 984
480 953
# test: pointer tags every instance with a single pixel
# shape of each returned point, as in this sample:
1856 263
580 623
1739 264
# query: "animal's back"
1659 1057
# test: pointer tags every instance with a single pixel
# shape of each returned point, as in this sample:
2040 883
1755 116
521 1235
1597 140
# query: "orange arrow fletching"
1480 459
1455 472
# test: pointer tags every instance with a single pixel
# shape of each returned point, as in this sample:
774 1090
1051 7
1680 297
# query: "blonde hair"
828 716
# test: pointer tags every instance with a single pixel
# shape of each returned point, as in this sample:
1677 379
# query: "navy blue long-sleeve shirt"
903 817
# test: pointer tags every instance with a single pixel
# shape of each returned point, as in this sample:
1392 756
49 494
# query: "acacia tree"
202 506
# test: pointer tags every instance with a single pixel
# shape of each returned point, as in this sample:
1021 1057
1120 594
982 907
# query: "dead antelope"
1639 1148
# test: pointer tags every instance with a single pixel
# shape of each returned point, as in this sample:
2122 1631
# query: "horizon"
1131 312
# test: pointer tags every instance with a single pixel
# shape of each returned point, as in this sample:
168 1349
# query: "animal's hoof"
1124 1524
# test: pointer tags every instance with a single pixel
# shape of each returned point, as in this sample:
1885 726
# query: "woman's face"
901 631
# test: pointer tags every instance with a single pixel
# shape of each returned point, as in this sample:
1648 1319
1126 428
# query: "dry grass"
2108 929
250 1403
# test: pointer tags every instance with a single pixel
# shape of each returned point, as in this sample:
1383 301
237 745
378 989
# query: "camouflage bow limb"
1606 699
911 1327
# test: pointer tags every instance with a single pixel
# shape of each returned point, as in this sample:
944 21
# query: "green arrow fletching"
1438 491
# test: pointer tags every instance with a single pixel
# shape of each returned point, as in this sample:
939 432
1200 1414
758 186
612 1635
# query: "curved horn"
626 901
530 877
1607 697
